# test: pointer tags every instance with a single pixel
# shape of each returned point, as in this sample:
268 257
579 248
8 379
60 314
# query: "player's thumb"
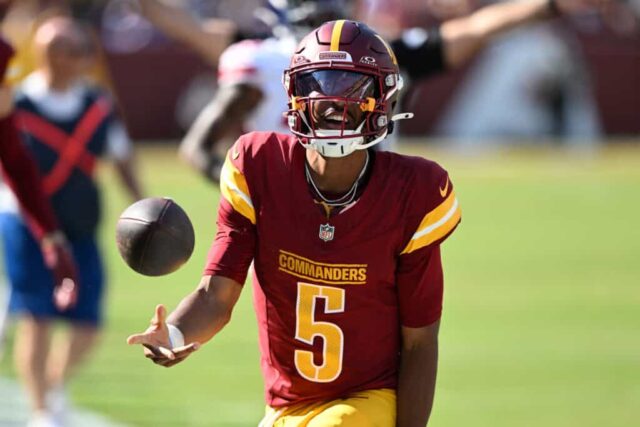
137 339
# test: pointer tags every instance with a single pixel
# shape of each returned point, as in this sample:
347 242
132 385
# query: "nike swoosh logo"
443 191
235 154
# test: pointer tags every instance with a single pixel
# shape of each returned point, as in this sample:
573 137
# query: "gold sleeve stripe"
336 34
436 224
234 188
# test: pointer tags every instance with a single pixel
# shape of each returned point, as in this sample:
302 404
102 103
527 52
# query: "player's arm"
417 380
435 214
204 312
208 39
465 36
226 112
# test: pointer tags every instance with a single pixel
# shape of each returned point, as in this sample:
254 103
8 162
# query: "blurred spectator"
20 172
67 124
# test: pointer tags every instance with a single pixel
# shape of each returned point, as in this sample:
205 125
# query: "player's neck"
335 175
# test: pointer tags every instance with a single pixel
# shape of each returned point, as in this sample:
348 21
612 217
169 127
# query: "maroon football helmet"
342 83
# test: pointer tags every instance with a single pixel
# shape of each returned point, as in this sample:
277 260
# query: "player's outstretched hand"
156 343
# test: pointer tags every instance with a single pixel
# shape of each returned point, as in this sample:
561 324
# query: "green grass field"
542 305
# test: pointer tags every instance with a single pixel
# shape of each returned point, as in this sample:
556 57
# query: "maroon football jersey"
332 293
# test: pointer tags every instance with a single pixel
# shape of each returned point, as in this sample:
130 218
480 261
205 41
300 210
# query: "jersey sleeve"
234 245
420 52
435 215
436 212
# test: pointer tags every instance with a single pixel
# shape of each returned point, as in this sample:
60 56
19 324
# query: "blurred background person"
20 172
67 124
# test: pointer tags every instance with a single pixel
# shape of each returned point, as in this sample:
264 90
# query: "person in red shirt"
345 245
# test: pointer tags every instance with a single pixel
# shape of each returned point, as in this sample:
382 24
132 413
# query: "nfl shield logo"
326 232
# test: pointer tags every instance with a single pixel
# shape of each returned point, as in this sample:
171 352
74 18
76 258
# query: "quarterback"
345 245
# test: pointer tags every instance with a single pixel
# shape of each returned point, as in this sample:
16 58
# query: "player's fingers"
166 352
152 351
142 338
159 316
160 351
185 350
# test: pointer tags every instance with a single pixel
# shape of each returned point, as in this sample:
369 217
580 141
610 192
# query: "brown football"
155 236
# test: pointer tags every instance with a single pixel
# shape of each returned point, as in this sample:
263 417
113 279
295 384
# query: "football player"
345 245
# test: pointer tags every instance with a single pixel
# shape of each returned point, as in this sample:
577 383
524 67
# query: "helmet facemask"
338 110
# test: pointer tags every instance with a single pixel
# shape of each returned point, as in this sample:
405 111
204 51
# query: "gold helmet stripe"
336 34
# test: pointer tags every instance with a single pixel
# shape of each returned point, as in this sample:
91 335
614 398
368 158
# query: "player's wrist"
176 337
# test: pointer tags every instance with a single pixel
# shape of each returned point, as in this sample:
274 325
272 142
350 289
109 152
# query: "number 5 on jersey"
307 328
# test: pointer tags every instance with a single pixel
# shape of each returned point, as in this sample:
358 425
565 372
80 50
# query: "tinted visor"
346 84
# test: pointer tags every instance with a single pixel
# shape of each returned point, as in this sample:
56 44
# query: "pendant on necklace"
326 232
